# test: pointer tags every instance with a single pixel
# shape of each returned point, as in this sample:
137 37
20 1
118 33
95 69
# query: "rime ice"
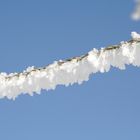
66 73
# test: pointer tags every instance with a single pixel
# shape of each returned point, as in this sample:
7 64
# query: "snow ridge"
68 72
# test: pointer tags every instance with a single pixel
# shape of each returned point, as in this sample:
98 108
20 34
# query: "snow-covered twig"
70 71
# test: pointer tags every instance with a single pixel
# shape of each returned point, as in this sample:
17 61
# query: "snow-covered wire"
70 71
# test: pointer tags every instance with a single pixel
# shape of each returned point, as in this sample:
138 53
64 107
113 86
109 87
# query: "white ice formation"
68 72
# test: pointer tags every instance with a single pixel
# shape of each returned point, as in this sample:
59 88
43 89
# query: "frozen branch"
70 71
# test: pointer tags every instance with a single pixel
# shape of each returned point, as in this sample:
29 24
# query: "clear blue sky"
107 107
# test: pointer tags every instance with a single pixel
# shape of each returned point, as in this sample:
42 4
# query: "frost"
75 70
135 36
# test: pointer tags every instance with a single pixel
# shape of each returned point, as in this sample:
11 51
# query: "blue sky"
107 107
